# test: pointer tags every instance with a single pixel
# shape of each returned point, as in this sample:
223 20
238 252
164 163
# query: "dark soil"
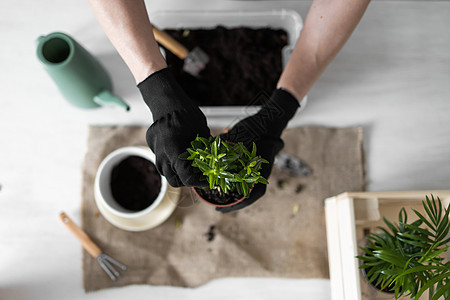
210 235
214 197
135 183
243 63
299 188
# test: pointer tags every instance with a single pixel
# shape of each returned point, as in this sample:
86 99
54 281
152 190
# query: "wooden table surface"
392 77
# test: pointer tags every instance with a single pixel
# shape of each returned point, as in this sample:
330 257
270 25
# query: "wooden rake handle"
170 43
87 243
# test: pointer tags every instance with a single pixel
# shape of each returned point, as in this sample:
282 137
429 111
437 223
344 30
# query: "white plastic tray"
288 20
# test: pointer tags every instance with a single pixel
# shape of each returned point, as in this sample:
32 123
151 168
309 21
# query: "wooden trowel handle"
170 43
87 243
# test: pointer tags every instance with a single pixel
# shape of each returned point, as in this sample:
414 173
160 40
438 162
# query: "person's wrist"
297 92
148 69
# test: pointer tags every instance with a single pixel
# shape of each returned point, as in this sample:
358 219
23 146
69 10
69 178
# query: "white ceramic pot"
121 217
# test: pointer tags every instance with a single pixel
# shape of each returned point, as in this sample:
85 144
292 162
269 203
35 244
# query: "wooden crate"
349 218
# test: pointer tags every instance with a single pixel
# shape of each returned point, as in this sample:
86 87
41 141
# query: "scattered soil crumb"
299 188
186 33
282 184
178 223
210 235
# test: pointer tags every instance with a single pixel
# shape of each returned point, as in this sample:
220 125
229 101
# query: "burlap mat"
281 235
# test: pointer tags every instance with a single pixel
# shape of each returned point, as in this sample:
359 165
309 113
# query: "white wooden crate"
349 217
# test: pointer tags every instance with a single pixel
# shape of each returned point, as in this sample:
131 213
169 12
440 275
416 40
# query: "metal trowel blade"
195 61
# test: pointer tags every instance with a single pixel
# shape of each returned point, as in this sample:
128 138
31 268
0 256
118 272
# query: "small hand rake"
105 261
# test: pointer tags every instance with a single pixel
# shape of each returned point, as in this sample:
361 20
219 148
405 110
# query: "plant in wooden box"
407 260
230 169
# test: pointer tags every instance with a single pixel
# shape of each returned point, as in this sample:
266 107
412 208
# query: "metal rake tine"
105 268
111 268
115 262
104 260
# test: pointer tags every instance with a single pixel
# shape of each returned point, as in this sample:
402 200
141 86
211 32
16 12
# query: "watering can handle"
87 243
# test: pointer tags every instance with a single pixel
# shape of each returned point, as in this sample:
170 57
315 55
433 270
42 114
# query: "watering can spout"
106 98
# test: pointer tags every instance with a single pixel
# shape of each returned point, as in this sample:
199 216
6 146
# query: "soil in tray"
135 183
243 63
213 196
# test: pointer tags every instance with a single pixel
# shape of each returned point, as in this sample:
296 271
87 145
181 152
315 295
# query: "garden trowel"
194 60
106 262
292 164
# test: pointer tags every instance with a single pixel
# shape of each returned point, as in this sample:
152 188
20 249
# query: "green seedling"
408 258
226 167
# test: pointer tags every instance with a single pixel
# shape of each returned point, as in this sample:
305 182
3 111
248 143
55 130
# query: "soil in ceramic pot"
135 183
243 63
213 196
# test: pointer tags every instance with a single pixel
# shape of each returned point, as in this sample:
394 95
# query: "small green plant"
226 167
408 258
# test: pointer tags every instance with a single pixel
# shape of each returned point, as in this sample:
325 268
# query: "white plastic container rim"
102 184
286 19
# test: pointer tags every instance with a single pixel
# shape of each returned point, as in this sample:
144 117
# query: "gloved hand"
264 128
176 122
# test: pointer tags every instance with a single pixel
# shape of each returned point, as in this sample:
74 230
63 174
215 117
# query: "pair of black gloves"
177 122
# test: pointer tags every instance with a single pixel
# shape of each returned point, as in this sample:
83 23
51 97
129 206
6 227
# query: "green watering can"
79 76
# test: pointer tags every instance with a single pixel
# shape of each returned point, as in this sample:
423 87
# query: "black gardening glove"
264 128
176 122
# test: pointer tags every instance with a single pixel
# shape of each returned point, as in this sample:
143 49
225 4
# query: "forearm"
126 24
327 27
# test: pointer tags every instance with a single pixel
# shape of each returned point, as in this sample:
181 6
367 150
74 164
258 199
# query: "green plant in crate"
408 258
226 167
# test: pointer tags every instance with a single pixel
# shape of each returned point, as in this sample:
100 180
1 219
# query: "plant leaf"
441 291
223 184
196 144
212 181
253 154
423 219
203 140
436 253
245 150
429 209
431 282
390 225
225 144
220 156
263 180
202 165
245 189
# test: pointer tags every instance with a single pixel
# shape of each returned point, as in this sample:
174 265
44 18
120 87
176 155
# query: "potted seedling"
231 170
407 259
